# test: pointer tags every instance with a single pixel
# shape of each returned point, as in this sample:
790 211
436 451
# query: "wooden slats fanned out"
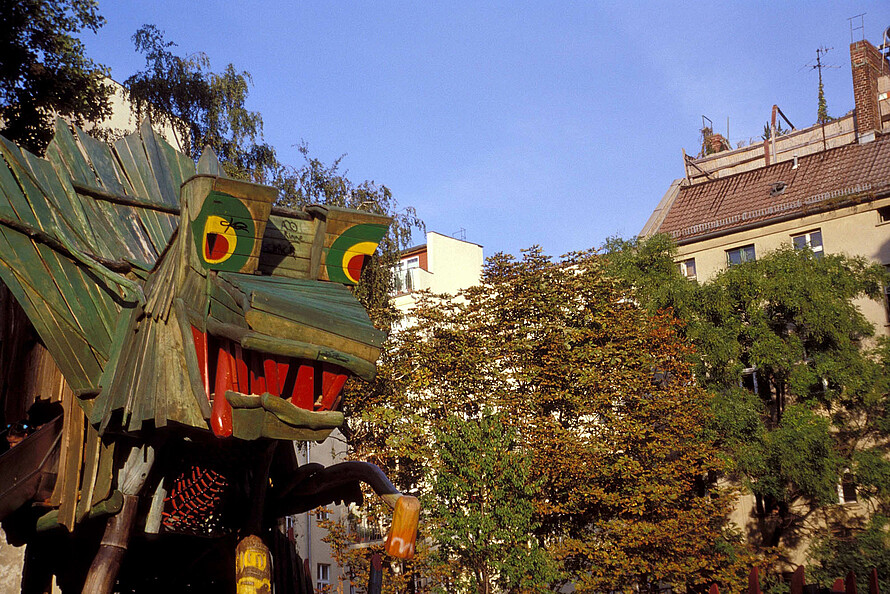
74 310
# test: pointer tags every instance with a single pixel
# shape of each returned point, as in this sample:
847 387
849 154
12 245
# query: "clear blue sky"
551 123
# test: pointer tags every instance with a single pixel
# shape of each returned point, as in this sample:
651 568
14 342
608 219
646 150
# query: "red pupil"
355 265
217 246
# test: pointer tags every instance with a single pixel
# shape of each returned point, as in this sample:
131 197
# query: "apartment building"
826 187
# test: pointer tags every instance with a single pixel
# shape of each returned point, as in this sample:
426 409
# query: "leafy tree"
600 398
204 108
820 405
868 549
481 509
43 69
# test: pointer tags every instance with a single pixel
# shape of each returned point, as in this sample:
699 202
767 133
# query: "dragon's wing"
72 224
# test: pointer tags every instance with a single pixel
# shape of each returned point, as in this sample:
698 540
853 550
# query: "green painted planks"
70 156
168 190
308 313
103 162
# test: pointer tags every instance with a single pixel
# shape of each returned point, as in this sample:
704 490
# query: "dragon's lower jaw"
303 385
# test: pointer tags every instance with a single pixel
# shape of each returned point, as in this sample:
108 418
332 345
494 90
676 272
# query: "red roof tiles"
826 180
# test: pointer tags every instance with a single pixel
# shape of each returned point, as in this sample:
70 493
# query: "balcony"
409 280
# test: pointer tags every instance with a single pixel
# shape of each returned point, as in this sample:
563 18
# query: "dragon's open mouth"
226 366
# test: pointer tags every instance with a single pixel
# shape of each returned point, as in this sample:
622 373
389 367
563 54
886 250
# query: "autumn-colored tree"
600 398
816 407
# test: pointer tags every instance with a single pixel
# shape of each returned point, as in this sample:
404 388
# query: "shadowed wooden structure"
167 333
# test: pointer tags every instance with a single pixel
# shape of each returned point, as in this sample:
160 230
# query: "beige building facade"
826 187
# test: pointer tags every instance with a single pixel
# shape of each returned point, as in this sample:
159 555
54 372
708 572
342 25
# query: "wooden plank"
146 381
182 405
64 201
181 167
38 315
70 460
208 164
91 451
71 157
63 274
308 314
10 180
132 167
103 162
157 228
25 260
298 269
61 277
315 253
225 314
277 326
168 191
105 472
131 153
202 398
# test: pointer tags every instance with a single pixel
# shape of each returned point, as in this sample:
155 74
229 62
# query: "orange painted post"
403 534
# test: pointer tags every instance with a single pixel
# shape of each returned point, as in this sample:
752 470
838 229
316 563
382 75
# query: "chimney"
868 65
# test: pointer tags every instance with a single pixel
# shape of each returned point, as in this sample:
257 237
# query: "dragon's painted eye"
224 233
351 251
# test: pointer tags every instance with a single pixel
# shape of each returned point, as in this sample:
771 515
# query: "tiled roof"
830 179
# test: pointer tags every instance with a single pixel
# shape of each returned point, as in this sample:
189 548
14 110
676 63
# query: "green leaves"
482 507
555 430
204 108
788 322
43 69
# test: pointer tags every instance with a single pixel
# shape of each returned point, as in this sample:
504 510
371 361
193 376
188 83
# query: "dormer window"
777 189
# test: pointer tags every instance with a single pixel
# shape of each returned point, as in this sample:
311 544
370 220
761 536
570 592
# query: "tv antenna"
823 110
860 27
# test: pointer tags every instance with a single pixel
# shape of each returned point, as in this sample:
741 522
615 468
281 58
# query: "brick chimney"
866 62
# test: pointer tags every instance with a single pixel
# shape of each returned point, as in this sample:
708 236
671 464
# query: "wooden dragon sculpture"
194 331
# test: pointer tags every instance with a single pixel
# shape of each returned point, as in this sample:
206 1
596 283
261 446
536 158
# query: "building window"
812 240
846 491
687 268
403 281
322 576
884 214
321 514
740 254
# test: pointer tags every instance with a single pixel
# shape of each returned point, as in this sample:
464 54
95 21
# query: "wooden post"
754 581
850 583
375 575
798 580
107 562
253 569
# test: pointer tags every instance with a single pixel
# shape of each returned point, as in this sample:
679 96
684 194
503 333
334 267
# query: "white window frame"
322 575
818 250
742 251
684 268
